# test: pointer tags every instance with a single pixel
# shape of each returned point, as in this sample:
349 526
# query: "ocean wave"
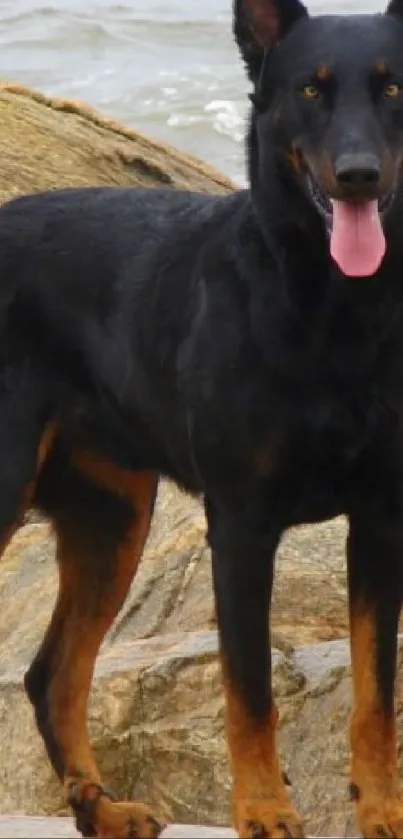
227 118
167 67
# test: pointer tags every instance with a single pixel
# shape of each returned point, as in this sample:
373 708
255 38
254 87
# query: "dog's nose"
357 171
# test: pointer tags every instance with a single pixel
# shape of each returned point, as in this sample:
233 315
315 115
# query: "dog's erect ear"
260 24
395 8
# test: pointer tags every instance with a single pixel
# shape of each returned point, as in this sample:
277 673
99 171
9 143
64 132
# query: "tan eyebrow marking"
380 67
323 73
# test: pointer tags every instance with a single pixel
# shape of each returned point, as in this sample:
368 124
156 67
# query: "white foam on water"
183 120
227 120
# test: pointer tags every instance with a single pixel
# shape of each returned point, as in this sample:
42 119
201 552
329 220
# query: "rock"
19 827
156 720
192 831
47 142
174 588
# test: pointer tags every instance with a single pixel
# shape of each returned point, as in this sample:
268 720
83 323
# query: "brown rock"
156 720
47 142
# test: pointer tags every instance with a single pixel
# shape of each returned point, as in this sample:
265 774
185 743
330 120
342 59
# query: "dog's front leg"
243 559
375 563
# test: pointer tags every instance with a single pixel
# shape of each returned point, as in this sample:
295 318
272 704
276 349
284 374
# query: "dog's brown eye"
309 91
392 90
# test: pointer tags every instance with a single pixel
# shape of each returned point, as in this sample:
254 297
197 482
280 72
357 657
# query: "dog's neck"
282 208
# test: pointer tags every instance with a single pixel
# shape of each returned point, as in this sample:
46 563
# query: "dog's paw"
379 818
98 813
268 821
128 820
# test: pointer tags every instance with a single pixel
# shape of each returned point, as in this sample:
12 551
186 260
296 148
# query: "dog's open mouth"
357 240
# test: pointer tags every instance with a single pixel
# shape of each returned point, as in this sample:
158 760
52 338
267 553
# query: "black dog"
249 347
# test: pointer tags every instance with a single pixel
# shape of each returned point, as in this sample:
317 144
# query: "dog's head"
328 101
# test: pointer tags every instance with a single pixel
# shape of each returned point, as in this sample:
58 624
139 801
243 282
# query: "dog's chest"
342 438
317 471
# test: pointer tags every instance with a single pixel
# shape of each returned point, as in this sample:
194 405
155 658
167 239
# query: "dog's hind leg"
375 563
101 517
243 560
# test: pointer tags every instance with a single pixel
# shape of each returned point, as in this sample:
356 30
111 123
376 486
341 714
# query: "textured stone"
156 719
47 142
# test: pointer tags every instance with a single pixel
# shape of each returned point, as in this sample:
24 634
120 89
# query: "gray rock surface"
156 719
21 827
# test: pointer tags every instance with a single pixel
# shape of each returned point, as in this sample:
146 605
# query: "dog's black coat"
176 341
214 340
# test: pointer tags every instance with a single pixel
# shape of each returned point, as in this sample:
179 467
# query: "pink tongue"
357 242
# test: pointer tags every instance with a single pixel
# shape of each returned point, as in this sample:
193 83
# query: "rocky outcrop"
47 142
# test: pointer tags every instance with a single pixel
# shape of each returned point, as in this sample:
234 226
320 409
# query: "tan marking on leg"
123 482
85 609
45 445
261 803
374 772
